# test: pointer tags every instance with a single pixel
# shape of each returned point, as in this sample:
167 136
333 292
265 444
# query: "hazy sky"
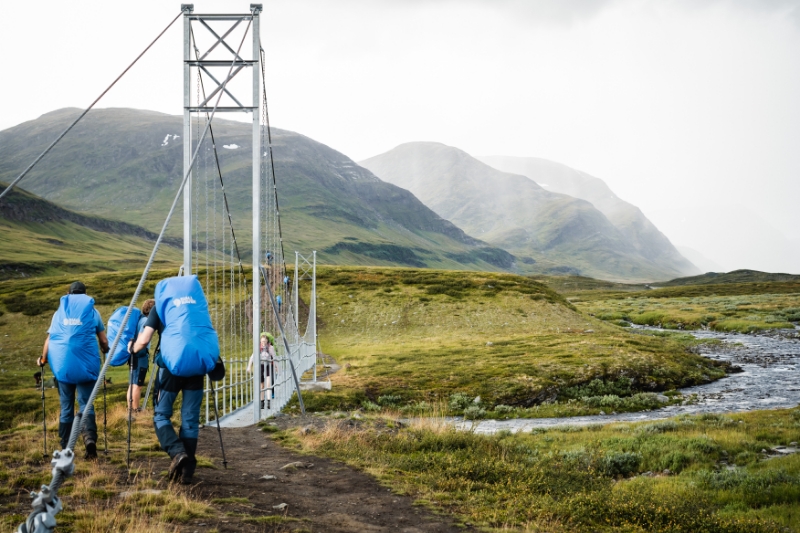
684 107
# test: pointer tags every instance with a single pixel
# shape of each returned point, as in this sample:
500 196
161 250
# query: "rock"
490 343
306 430
763 450
268 477
348 366
280 506
264 446
357 416
602 413
296 464
128 494
588 331
793 443
662 398
477 400
667 472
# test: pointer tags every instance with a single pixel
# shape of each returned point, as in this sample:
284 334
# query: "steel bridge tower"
220 63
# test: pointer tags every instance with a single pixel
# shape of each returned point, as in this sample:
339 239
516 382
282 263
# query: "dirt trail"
329 496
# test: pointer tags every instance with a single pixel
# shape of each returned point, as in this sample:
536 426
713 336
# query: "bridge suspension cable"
35 161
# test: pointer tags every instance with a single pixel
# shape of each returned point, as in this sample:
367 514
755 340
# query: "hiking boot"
176 467
187 476
91 449
262 404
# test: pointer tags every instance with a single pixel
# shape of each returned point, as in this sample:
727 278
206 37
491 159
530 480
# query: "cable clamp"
46 505
64 462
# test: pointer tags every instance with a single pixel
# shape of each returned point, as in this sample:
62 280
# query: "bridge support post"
187 140
255 10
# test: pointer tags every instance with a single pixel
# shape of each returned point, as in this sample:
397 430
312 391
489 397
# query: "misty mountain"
629 219
552 232
127 164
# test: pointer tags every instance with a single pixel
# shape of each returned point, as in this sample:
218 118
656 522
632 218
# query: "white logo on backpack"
72 322
184 300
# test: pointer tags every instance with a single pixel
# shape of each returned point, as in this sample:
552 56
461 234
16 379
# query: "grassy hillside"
126 164
549 232
411 338
39 237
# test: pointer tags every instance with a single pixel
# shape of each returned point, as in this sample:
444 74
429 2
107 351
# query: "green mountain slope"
37 236
126 164
629 219
557 233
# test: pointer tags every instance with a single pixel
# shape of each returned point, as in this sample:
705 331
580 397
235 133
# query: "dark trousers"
66 393
192 390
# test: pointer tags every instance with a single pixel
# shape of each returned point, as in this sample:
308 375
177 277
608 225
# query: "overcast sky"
686 108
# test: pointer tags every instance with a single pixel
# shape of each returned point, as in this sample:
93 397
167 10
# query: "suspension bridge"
245 276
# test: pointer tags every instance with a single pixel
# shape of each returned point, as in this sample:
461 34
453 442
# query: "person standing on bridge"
267 366
141 362
71 350
188 349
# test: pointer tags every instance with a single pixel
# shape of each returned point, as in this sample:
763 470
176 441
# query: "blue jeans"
66 393
169 387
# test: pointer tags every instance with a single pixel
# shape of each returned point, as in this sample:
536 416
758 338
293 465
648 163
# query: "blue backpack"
72 349
121 355
189 345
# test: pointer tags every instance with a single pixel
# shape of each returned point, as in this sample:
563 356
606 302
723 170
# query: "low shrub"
620 463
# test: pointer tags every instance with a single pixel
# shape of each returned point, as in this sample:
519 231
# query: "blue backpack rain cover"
189 344
72 352
121 355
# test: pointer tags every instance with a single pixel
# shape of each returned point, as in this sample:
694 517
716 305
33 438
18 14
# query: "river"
770 380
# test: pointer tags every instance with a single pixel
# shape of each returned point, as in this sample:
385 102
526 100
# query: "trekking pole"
219 429
153 373
44 414
130 414
105 416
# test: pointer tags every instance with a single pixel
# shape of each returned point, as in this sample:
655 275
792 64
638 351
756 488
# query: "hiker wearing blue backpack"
141 362
71 350
188 349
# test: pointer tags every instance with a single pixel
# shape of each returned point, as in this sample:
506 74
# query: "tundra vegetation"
416 342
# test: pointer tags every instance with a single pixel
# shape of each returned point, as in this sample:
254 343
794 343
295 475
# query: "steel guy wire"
35 161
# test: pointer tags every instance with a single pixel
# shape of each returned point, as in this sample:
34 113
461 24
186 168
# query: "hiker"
188 349
71 350
140 362
267 366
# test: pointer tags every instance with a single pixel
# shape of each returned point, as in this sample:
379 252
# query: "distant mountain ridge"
555 232
126 164
735 276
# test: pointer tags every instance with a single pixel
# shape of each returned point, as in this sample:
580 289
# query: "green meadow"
413 342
